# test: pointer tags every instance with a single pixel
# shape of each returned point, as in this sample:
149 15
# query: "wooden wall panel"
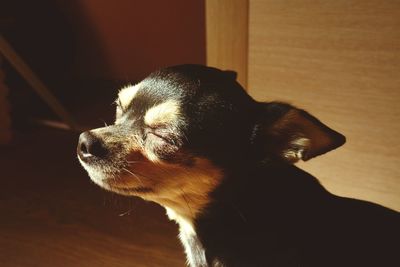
227 35
340 60
127 39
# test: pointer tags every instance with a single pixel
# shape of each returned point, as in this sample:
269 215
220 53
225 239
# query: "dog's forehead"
155 102
154 91
177 90
187 82
148 94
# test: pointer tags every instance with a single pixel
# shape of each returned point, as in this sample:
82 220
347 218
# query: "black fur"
268 212
274 214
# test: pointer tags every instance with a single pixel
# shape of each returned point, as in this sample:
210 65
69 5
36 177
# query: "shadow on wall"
92 46
137 37
51 39
40 33
121 40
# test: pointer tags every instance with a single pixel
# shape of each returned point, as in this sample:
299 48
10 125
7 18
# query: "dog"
191 139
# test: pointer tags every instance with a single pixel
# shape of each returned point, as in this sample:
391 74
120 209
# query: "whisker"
105 124
132 161
239 212
187 202
143 175
128 212
137 177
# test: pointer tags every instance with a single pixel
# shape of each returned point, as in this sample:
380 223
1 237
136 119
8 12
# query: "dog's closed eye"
161 142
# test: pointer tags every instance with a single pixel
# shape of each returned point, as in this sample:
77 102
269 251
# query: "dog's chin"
111 180
98 177
113 183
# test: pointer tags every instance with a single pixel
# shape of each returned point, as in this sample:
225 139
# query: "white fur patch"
152 156
195 253
164 113
95 174
127 94
184 224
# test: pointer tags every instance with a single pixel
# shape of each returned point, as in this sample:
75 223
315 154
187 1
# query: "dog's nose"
90 146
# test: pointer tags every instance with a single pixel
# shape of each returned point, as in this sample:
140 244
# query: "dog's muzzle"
90 147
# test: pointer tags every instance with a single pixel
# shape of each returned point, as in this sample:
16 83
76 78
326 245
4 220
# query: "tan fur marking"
182 189
127 94
164 113
185 190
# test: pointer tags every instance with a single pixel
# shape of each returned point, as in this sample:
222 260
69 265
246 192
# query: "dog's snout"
90 146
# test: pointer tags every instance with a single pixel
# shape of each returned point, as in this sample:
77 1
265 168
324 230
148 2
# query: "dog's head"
179 130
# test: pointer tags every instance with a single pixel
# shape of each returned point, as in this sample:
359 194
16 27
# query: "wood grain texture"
227 36
340 60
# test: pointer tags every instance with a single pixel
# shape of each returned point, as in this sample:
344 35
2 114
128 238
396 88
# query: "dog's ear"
292 134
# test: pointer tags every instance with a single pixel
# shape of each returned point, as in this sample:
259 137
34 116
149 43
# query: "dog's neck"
186 189
183 208
193 212
190 197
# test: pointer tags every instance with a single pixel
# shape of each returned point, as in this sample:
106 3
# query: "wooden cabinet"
340 60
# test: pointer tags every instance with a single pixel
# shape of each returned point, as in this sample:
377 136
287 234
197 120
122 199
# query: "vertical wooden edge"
227 36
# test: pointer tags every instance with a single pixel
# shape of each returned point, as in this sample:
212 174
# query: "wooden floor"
52 215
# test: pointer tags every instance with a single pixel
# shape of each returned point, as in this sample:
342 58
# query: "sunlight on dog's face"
146 152
143 149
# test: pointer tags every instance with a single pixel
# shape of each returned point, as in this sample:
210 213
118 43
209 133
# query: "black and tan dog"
190 138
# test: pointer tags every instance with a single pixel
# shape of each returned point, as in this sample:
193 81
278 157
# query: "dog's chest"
194 250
